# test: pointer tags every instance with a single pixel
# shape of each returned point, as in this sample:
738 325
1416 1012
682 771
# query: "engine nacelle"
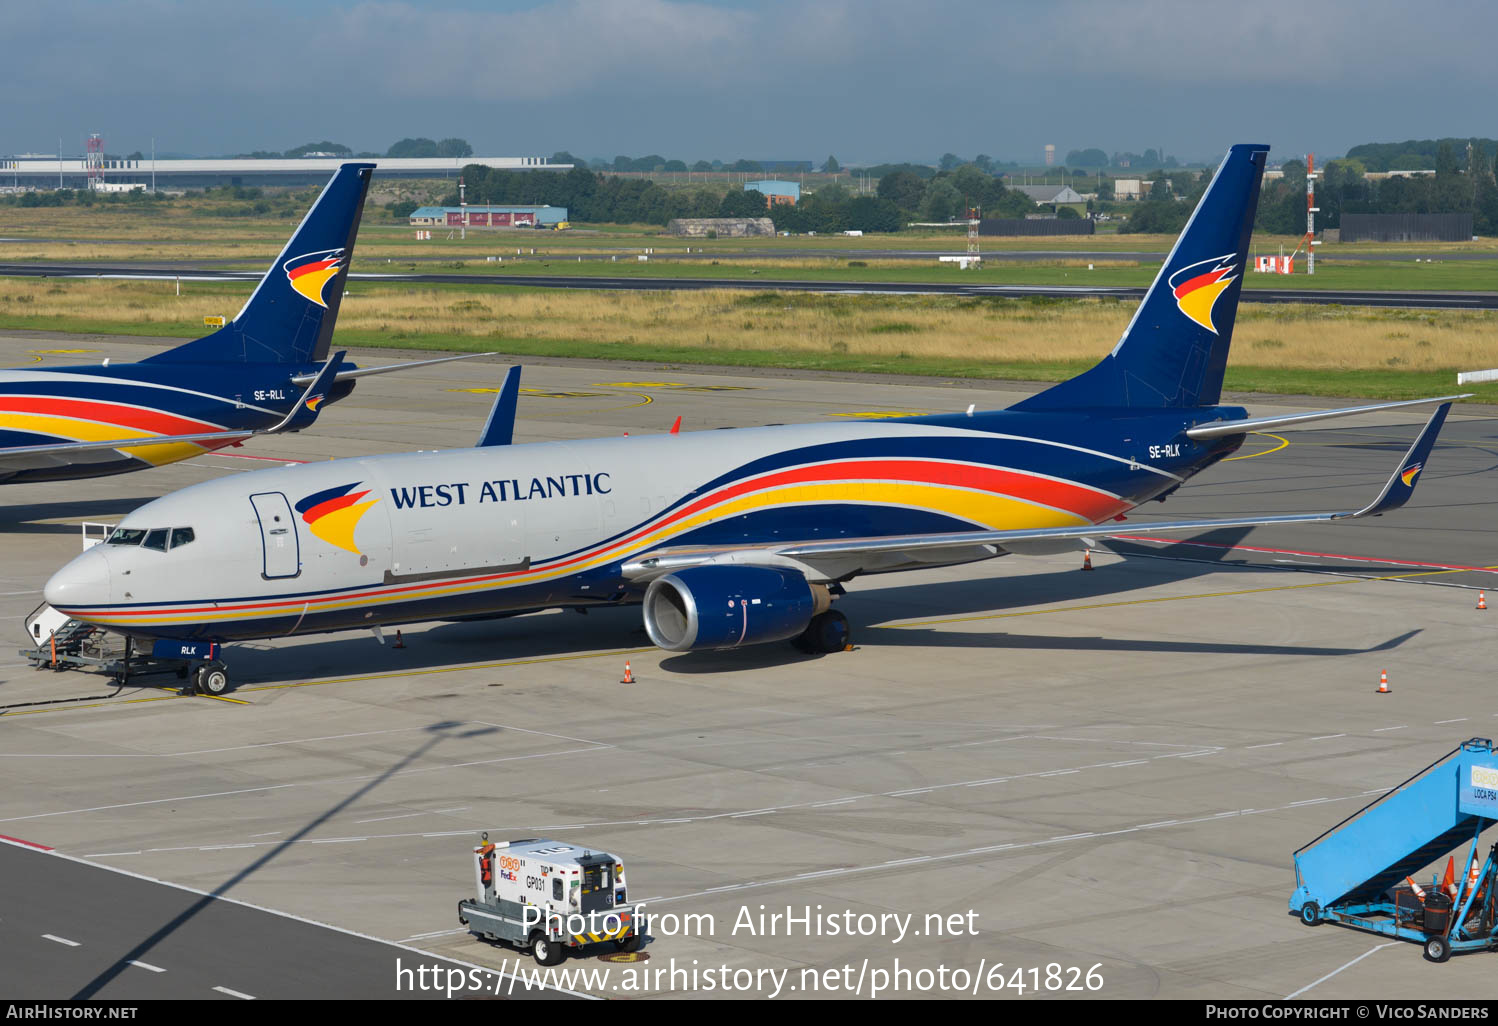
705 607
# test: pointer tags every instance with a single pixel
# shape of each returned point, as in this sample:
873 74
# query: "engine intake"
706 607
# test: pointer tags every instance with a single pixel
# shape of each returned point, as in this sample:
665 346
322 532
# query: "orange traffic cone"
1419 891
1474 873
1087 559
399 641
629 678
1482 599
1448 882
1383 683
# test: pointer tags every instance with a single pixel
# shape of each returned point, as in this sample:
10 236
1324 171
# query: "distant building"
720 227
776 191
1406 228
73 172
1050 154
1047 195
488 216
1129 188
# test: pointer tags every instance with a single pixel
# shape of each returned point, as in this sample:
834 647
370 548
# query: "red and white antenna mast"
94 162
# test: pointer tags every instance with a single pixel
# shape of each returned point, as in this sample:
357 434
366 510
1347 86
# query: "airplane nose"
80 584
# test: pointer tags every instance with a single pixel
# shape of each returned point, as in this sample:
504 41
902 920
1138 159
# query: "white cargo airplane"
726 538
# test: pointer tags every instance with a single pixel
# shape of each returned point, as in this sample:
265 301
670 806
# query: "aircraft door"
278 537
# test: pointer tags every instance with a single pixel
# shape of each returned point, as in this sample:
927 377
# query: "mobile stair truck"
1361 871
548 896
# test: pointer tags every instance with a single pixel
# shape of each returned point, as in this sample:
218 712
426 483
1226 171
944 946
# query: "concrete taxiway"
1109 770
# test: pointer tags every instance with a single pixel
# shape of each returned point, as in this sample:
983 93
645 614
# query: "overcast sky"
866 80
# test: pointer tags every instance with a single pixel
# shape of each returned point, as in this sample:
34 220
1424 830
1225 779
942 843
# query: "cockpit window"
155 539
181 536
126 536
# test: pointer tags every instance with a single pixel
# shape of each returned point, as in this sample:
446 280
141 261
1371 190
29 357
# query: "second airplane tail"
290 316
1174 351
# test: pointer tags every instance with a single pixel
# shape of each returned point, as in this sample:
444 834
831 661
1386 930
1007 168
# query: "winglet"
1402 484
676 428
305 411
500 428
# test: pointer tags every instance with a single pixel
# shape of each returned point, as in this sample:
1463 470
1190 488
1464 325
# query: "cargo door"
278 538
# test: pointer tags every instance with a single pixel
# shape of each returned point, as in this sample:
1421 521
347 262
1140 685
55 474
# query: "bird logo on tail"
310 273
1197 287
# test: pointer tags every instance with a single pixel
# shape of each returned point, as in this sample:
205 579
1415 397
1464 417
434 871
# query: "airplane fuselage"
464 533
135 400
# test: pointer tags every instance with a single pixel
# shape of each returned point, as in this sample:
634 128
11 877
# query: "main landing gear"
210 678
828 632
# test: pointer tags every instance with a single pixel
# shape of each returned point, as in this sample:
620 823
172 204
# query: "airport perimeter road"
73 930
1406 299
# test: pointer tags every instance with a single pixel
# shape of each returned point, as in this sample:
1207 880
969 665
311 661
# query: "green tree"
903 188
831 166
743 203
413 148
320 147
971 184
1087 158
454 148
949 162
942 201
870 214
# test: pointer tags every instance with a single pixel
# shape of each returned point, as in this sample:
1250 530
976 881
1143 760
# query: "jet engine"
706 607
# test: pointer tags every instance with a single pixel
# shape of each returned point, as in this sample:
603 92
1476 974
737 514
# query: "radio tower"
94 161
974 215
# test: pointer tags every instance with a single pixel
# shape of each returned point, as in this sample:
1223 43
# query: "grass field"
170 236
1301 349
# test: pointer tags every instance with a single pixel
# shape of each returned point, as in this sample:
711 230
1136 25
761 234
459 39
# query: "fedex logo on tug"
460 493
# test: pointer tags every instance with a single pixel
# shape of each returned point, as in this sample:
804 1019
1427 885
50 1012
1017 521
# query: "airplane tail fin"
1174 351
289 318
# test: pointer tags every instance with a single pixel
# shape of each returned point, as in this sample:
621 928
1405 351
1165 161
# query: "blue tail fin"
1174 351
289 318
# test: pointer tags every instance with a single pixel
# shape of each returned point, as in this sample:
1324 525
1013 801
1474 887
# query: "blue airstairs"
1361 872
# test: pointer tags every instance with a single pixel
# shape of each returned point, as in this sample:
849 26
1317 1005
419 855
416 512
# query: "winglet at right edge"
499 429
1402 484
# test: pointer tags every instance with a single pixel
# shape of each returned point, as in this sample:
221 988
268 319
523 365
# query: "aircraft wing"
62 448
364 372
844 557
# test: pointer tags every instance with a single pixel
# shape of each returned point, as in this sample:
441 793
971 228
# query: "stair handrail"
1396 788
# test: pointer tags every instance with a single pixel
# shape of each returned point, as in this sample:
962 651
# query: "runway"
1109 770
1402 299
